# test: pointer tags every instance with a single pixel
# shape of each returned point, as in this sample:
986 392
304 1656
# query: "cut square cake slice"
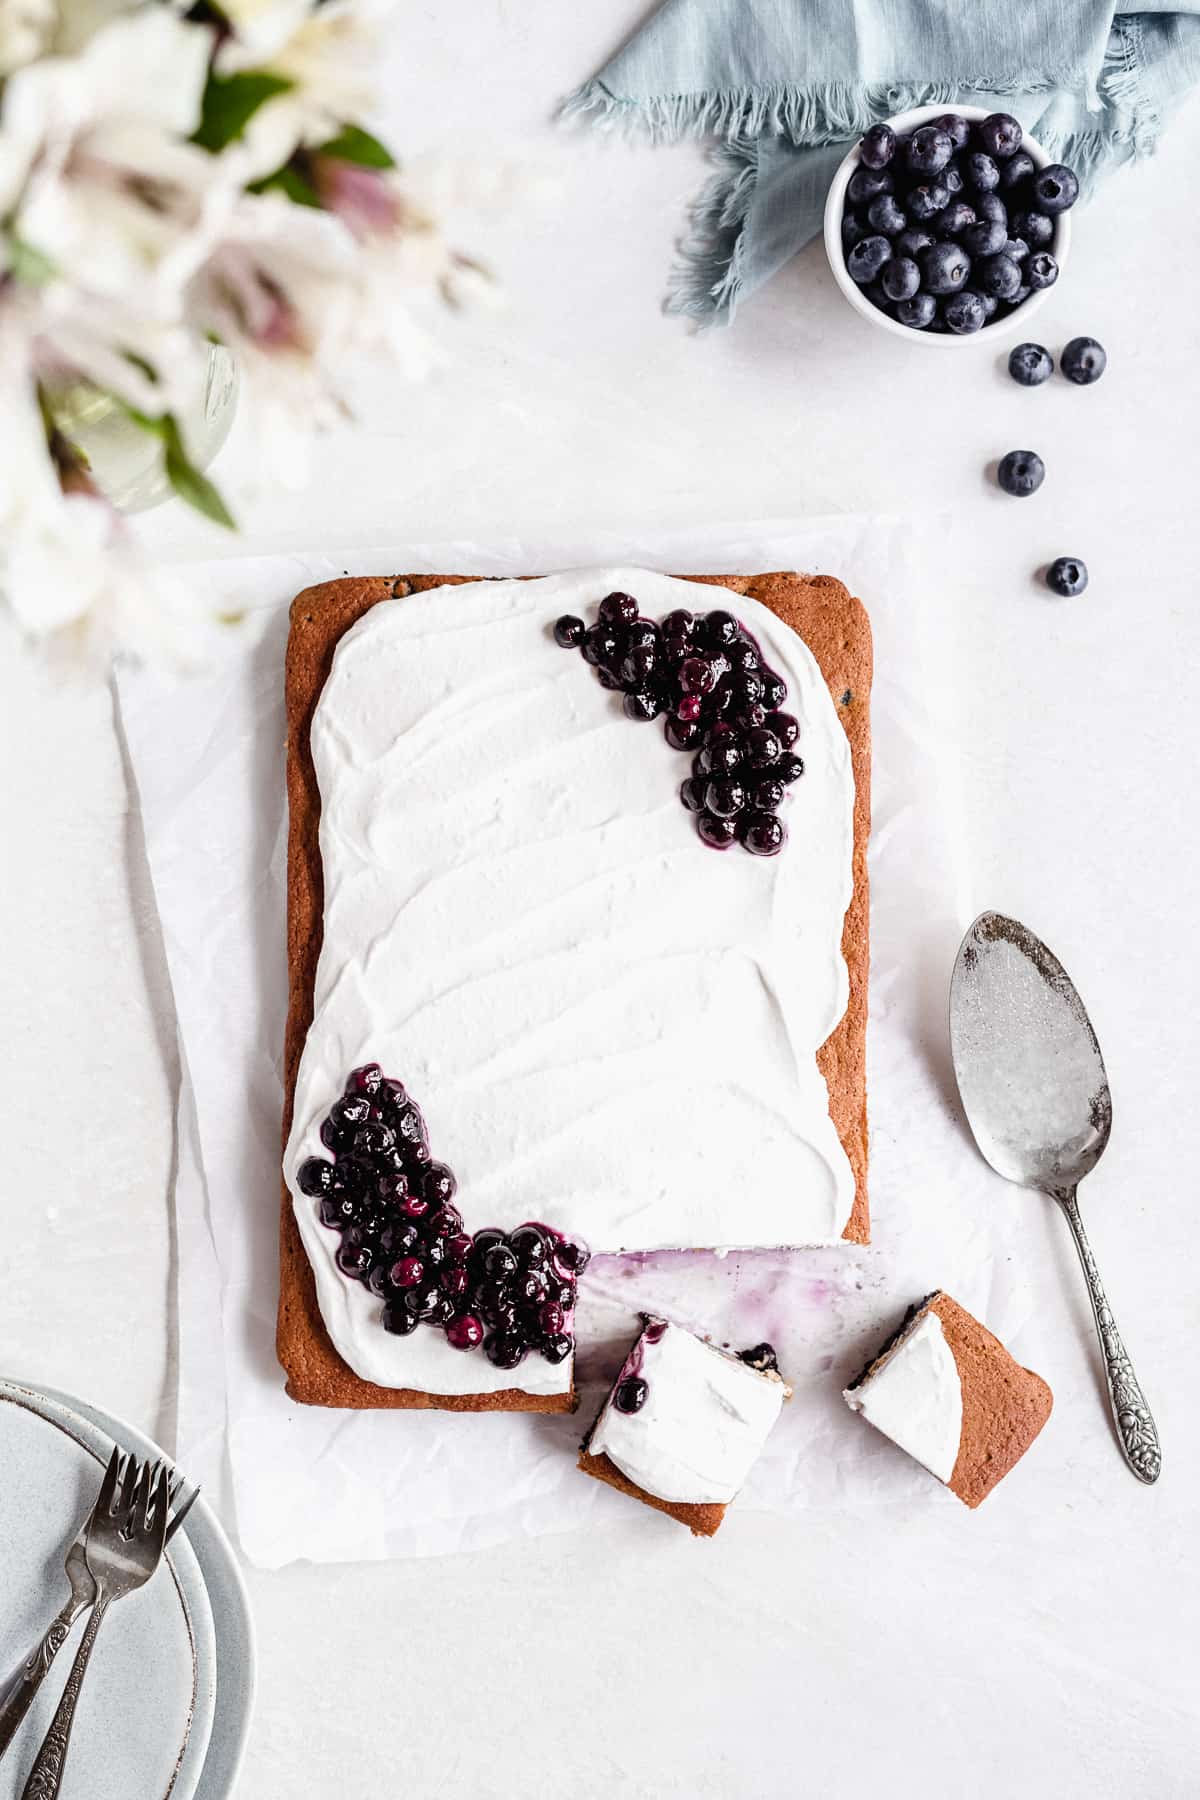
684 1424
949 1393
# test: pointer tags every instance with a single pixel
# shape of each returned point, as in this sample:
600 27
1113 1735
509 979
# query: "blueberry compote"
705 676
508 1293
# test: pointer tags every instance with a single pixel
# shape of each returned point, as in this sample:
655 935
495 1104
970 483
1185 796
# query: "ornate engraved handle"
46 1773
18 1696
1136 1430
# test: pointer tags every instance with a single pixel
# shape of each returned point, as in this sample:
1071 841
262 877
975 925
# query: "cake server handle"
1136 1431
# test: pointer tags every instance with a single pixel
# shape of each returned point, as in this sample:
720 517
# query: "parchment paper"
328 1486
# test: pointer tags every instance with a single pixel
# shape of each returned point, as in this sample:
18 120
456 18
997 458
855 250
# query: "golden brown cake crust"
835 627
701 1520
1003 1405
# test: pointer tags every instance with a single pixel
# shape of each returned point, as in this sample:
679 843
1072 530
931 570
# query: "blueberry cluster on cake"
947 1391
684 1423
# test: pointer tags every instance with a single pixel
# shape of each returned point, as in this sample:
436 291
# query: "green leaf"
29 264
188 481
231 101
287 180
354 145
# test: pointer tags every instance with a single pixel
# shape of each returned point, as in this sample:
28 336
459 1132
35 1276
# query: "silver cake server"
1034 1089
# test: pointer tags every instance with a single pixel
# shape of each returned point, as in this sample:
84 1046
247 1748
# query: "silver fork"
123 1547
16 1697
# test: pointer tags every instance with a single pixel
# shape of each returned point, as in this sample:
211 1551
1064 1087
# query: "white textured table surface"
1045 1645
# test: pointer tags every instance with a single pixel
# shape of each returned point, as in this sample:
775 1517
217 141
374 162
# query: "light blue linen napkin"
789 84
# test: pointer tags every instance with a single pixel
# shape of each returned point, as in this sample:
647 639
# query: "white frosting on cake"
607 1025
915 1397
705 1419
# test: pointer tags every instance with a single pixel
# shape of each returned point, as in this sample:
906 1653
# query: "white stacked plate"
166 1706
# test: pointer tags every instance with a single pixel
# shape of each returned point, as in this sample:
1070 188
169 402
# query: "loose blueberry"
725 797
762 1357
929 150
465 1332
504 1349
901 278
965 313
774 690
407 1272
1083 361
944 268
454 1280
1021 473
600 645
992 207
1000 135
917 312
630 1395
786 729
642 706
878 147
766 793
720 630
682 734
316 1176
366 1080
530 1246
1035 228
952 179
954 219
981 173
867 258
618 609
910 243
789 768
854 227
1016 249
1016 170
1067 576
398 1320
691 792
1042 270
1056 188
571 1256
716 832
557 1348
956 128
884 215
354 1257
500 1262
763 834
927 200
998 275
568 631
866 185
985 238
1030 365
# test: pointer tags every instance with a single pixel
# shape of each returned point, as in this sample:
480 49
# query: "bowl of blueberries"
941 226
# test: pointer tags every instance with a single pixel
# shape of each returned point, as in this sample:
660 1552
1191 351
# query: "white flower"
329 53
26 27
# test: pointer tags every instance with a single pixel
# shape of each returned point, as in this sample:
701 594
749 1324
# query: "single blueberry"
853 228
954 219
990 303
1017 169
912 242
618 609
926 200
952 179
965 312
866 184
991 206
1037 228
568 631
981 172
985 238
1030 365
944 268
1056 188
725 796
1067 576
884 215
717 833
901 278
866 260
877 148
1042 270
998 275
630 1395
642 705
918 312
1083 361
929 150
956 128
1016 249
763 834
1021 473
999 134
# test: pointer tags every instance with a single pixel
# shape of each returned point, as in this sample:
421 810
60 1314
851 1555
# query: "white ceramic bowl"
938 340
